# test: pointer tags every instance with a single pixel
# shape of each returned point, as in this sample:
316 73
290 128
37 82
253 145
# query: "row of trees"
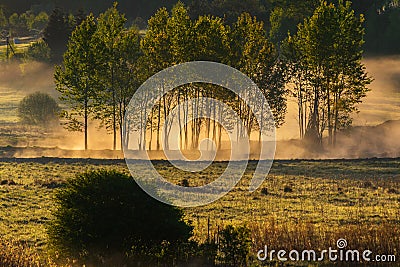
105 63
382 25
23 24
279 17
325 70
320 65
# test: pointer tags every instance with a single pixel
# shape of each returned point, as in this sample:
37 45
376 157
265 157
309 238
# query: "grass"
354 199
19 49
9 101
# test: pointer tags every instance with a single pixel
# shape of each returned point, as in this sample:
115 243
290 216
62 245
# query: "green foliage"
3 20
324 61
25 23
383 30
77 90
39 22
235 245
57 32
103 213
105 54
38 109
117 51
229 10
38 51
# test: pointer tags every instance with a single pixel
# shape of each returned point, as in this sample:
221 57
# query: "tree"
326 54
76 78
39 22
235 244
174 38
105 213
38 109
109 36
156 46
57 32
254 55
127 75
3 20
17 24
38 51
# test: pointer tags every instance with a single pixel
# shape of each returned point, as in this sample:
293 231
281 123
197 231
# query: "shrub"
185 183
235 244
103 213
38 51
264 191
38 109
287 189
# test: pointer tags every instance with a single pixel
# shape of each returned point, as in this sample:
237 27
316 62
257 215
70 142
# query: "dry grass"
357 200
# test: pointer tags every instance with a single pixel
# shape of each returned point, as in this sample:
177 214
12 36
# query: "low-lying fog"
370 137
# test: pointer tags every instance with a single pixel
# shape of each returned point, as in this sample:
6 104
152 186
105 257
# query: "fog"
375 131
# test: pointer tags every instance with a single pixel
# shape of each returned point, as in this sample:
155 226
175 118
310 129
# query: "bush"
264 191
39 51
287 189
235 244
38 109
103 213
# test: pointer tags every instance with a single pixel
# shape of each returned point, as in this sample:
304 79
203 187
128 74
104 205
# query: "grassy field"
301 204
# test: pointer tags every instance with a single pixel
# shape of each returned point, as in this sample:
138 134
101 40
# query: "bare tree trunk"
336 118
220 126
114 104
330 139
86 121
151 129
165 140
186 117
179 119
145 123
158 125
121 118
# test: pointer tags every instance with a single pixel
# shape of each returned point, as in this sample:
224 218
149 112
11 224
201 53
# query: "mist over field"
374 133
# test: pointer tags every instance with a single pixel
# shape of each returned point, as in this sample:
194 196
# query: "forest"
382 17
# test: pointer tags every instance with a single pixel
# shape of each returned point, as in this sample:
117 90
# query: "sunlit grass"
328 197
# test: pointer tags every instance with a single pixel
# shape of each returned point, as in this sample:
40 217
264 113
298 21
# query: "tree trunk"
158 124
86 121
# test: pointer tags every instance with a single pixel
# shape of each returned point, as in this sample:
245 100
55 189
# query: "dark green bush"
235 245
101 214
38 51
38 109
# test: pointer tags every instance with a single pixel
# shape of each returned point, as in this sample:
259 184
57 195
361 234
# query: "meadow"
302 203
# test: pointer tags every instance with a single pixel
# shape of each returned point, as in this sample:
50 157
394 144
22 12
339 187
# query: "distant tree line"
320 65
23 24
382 17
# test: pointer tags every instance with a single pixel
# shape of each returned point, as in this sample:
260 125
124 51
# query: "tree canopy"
324 59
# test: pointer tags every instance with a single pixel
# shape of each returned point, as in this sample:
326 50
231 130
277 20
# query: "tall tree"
329 46
76 79
156 47
109 32
57 32
3 20
254 55
127 75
